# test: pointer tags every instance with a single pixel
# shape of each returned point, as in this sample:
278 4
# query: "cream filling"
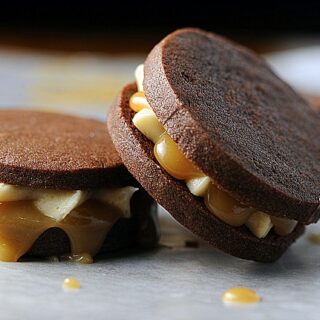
218 202
57 204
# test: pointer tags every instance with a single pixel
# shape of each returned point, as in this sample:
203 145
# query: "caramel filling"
173 161
85 221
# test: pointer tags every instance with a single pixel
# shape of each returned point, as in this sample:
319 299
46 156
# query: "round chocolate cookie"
137 154
50 150
238 122
56 151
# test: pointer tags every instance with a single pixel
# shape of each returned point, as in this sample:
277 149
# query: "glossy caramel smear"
21 224
173 160
138 102
240 295
226 208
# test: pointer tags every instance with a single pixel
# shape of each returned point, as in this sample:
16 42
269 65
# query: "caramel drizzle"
21 224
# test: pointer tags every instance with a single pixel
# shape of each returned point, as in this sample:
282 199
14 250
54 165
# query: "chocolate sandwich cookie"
228 148
65 191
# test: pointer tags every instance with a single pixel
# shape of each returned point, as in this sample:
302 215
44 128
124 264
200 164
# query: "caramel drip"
21 224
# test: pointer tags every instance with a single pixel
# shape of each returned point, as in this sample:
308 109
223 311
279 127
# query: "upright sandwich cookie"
229 149
65 190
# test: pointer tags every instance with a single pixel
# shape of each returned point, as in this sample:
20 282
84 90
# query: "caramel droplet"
240 295
314 238
71 283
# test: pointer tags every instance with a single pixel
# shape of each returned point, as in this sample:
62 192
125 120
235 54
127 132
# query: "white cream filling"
57 204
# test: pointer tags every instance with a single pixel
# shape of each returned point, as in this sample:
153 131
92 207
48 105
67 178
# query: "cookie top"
136 152
48 150
237 121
